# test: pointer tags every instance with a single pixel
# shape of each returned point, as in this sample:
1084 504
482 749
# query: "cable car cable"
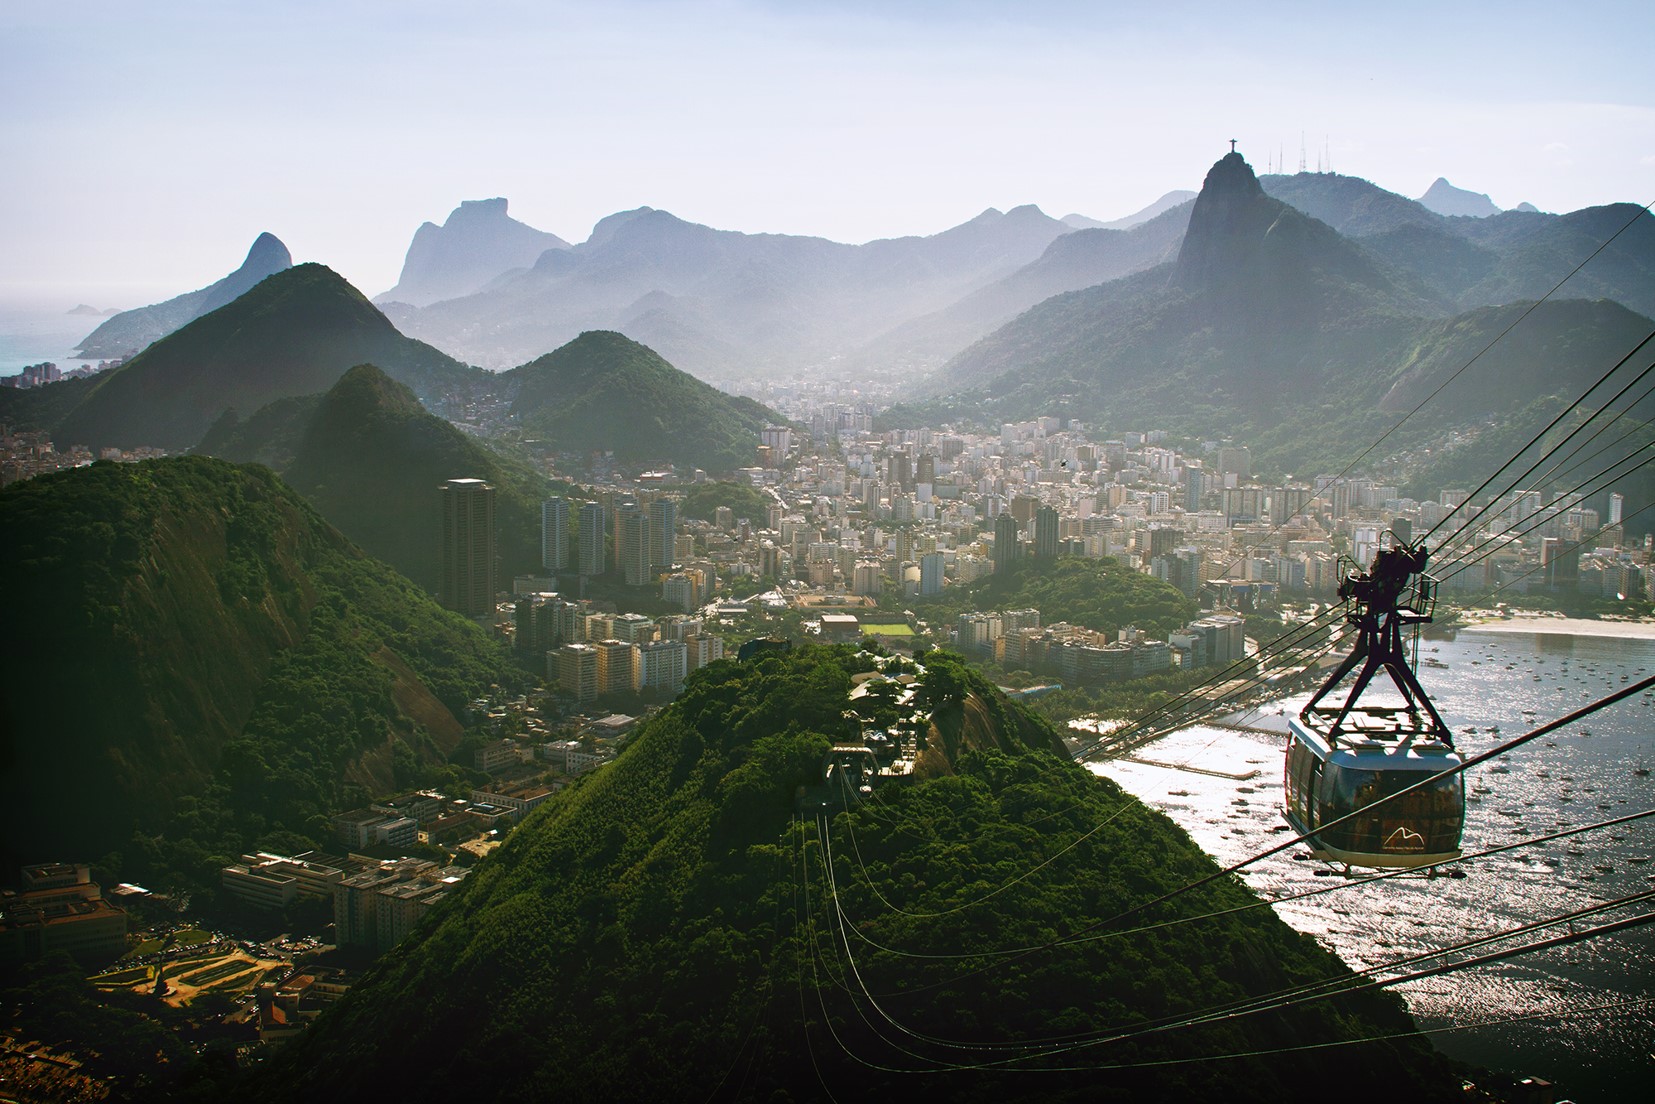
1501 749
1494 507
1530 309
1541 518
1348 883
1545 430
1280 1000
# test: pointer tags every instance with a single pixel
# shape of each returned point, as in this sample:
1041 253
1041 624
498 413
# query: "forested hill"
293 334
370 458
605 392
665 931
185 636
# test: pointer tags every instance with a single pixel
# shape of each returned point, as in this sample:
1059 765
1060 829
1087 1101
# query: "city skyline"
159 142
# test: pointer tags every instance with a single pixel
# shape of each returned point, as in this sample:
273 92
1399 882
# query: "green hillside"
371 458
665 931
605 392
293 334
209 662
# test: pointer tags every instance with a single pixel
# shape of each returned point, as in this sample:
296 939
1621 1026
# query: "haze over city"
151 144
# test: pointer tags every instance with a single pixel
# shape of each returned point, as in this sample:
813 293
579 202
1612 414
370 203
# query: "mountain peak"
1445 199
267 254
1231 174
130 332
478 242
479 209
1230 217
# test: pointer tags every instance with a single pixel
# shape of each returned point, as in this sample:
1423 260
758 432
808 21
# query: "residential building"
614 666
589 539
1005 543
554 535
679 589
931 573
575 668
1045 533
635 547
468 547
659 665
663 529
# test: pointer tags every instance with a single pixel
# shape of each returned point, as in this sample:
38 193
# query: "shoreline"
1546 623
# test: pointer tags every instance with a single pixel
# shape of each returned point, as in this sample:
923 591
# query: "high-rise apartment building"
614 666
1005 542
663 527
1045 533
554 535
589 542
660 665
930 573
468 553
634 530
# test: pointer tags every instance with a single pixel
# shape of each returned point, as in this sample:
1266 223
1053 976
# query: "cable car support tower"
1394 593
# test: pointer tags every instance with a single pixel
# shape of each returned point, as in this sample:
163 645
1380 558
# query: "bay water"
1582 1015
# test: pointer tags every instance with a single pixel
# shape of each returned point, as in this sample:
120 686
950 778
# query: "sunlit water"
1579 775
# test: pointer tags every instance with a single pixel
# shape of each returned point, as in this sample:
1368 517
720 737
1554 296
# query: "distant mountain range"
722 304
129 332
1274 327
726 305
1160 206
490 290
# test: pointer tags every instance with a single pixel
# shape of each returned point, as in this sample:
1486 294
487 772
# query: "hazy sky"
145 145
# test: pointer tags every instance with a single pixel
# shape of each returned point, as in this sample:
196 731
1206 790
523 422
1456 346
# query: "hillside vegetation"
1102 594
606 392
665 931
293 334
370 458
210 662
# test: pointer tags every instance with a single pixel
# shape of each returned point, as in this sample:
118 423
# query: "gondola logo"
1404 839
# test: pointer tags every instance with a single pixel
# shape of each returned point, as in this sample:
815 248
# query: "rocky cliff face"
477 243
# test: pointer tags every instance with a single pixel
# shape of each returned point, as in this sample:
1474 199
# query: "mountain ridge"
127 333
1272 325
292 334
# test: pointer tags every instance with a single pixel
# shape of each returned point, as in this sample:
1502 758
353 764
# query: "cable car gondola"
1350 758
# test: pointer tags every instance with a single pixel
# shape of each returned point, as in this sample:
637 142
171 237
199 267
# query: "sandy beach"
1556 623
